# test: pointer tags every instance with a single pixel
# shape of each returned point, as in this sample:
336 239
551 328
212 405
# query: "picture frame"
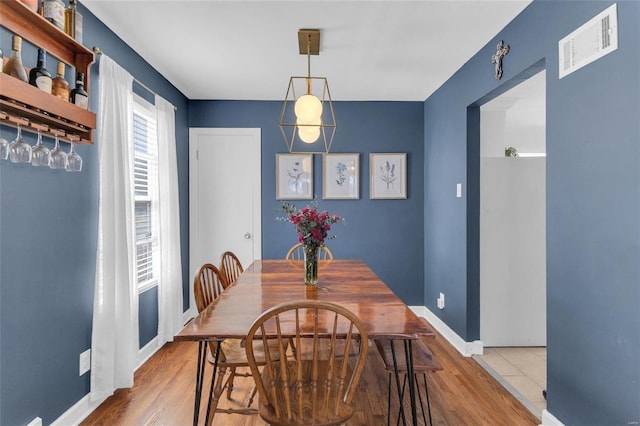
294 176
341 176
388 173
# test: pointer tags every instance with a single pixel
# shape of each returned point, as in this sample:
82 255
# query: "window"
145 170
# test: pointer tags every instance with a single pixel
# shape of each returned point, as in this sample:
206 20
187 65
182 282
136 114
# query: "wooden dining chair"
297 253
295 390
230 267
209 284
423 362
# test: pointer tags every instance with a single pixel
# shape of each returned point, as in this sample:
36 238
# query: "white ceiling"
247 50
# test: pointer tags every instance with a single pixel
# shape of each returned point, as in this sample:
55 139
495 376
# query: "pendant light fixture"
307 120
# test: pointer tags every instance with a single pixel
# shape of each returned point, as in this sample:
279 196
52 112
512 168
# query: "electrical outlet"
85 361
440 301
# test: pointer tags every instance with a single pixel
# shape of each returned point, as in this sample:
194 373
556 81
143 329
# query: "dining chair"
296 252
208 286
295 390
230 267
423 362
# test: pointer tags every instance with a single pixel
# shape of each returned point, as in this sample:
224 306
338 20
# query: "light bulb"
308 107
309 134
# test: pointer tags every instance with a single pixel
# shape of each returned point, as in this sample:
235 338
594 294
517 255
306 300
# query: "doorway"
513 237
224 196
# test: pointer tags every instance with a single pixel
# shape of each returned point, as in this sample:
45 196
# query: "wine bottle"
78 95
59 86
53 11
39 76
73 21
14 66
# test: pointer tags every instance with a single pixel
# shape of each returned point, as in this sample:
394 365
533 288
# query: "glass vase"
311 265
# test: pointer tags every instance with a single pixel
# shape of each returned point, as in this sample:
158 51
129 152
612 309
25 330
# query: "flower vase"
311 265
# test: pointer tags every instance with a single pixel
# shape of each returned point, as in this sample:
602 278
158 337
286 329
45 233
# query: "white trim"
465 348
147 351
549 419
80 411
188 314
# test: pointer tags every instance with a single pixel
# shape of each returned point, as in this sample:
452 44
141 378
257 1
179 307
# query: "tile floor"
522 370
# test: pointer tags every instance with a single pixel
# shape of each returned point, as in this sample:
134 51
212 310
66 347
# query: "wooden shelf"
22 103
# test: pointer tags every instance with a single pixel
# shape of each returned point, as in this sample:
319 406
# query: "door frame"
194 132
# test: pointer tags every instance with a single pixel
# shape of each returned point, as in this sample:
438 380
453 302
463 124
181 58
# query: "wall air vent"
591 41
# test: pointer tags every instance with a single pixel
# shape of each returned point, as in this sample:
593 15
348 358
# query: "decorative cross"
501 52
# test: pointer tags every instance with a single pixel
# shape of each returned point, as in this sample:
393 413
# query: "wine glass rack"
31 108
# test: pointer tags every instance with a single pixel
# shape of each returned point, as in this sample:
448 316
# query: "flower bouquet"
313 229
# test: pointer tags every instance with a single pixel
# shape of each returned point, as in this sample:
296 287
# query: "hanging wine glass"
19 150
4 148
40 154
58 157
74 161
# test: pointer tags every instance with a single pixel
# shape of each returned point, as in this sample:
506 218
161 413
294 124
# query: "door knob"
247 236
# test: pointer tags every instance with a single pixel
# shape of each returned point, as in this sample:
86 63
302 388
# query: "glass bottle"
59 86
78 95
53 11
73 21
14 66
39 76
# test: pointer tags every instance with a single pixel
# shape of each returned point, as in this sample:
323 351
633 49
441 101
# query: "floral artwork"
341 176
388 175
294 176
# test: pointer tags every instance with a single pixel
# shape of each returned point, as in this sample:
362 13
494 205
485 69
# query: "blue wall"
593 206
48 231
386 234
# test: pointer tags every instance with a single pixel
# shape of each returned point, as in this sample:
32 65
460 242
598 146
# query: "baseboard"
465 348
147 351
80 411
549 419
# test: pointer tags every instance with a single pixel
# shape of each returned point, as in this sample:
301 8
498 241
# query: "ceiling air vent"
591 41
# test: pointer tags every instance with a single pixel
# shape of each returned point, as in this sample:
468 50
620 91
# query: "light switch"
459 190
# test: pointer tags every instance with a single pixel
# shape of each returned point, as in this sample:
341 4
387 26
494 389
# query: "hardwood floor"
462 394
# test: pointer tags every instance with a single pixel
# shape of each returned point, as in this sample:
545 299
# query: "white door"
224 196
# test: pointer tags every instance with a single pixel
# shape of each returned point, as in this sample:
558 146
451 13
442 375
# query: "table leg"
408 349
397 374
213 381
202 359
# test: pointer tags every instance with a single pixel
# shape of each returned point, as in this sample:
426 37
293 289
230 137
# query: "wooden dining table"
266 283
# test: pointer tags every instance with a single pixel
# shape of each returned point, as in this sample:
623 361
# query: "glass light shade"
308 107
309 134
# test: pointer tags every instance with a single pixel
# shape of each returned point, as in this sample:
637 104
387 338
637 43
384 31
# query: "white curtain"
170 287
114 341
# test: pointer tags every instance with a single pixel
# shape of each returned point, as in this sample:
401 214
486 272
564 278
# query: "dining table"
266 283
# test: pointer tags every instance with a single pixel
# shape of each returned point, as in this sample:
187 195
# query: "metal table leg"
202 362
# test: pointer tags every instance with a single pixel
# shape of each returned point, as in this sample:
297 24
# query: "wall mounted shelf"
27 106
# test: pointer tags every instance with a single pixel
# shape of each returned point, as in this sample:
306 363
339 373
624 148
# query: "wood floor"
462 394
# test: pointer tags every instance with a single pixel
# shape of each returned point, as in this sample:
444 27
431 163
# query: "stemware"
4 148
40 154
58 156
74 160
19 150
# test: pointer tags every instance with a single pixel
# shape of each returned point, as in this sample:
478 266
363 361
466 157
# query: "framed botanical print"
341 176
294 176
388 175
